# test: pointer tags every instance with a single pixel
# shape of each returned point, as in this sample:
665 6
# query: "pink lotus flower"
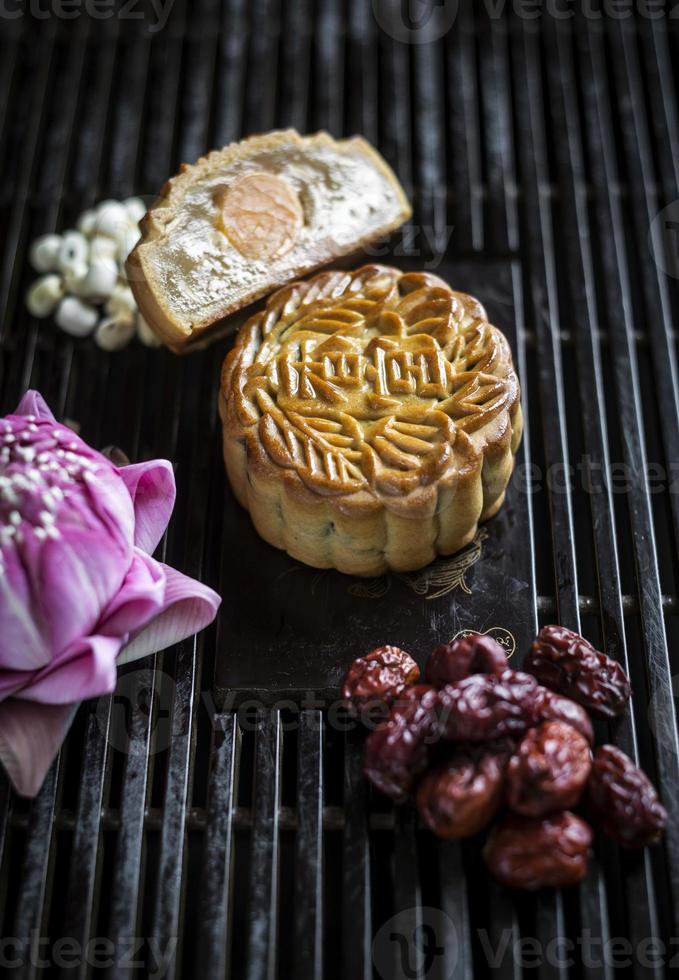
79 590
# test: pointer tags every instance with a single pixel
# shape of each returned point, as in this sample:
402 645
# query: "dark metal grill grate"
256 850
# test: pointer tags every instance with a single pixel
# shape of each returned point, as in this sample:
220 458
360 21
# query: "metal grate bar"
329 67
542 291
644 205
215 906
593 900
135 717
568 144
124 907
455 904
195 423
40 56
34 891
260 94
356 904
127 124
619 317
501 203
167 901
543 306
295 65
396 114
33 902
195 447
406 879
464 135
308 947
262 930
80 894
504 924
429 147
231 62
9 59
362 72
81 910
663 94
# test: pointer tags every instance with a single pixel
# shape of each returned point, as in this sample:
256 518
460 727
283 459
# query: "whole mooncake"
370 419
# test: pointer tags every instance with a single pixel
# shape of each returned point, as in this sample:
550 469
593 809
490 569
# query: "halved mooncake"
370 419
244 220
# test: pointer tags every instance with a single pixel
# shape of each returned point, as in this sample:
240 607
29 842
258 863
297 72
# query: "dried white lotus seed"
44 253
101 278
145 334
73 251
111 219
135 208
114 333
76 317
43 296
74 278
86 222
121 303
102 247
126 242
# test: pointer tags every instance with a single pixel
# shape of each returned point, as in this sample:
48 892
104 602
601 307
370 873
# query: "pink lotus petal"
13 680
74 578
34 404
152 488
86 670
189 606
140 599
22 646
30 736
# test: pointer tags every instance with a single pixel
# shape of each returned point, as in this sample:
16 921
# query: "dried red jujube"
545 852
471 654
398 751
379 676
555 707
488 706
460 797
549 770
622 800
566 663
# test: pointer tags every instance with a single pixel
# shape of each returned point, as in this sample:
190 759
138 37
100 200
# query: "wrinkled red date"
549 770
398 751
531 853
568 664
379 677
461 797
472 654
555 707
488 706
622 800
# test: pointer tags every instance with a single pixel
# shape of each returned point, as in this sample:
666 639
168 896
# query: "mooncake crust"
182 332
370 419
